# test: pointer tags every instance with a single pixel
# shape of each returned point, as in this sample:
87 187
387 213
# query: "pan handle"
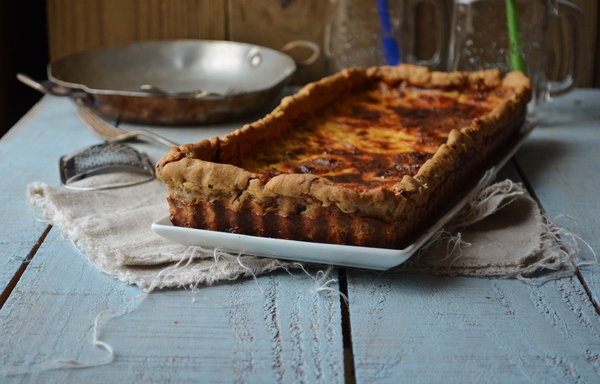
46 87
316 51
49 88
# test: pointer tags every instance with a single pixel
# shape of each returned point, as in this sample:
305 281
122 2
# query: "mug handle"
443 27
574 16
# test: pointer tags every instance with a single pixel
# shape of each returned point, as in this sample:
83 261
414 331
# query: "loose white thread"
57 364
572 238
564 251
163 274
321 281
566 245
322 284
239 260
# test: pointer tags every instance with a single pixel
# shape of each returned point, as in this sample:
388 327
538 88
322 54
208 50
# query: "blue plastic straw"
390 45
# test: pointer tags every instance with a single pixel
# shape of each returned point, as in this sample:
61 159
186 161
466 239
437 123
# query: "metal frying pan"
173 81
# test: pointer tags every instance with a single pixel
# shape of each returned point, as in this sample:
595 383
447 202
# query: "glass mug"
356 30
480 39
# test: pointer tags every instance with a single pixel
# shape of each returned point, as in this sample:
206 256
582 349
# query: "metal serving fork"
110 133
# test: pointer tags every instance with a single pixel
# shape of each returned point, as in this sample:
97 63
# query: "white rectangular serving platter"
309 252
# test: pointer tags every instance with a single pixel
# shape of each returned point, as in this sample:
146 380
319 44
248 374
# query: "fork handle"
155 137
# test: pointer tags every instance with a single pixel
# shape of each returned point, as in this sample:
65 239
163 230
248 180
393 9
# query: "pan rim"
288 69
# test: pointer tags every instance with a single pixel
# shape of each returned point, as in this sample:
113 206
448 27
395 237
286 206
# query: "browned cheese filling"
374 137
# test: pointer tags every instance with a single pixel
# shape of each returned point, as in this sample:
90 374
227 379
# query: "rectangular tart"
365 157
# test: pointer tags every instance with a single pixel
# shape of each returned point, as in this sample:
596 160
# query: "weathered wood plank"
560 161
25 156
274 329
424 329
75 25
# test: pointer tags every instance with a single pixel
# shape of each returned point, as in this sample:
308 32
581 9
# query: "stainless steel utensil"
102 159
111 133
108 79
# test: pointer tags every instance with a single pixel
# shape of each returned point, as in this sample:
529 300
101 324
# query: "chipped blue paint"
405 328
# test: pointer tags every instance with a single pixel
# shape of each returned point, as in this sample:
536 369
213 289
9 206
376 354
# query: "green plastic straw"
512 17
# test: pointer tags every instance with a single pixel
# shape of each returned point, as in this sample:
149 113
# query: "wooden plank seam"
24 264
560 241
349 367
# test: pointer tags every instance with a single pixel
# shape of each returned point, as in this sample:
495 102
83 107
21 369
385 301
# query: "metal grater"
101 159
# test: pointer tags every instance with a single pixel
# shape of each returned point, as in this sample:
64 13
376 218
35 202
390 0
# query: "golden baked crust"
364 157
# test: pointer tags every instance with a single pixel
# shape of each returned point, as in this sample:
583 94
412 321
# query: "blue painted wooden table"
395 327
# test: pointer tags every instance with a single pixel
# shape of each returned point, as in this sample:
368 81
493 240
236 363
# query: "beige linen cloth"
500 232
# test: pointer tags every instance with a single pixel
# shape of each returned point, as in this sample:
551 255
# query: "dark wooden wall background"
23 48
73 25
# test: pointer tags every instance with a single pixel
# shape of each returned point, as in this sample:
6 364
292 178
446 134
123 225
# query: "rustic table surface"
395 328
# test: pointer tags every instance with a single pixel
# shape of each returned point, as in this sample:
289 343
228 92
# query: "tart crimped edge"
212 169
